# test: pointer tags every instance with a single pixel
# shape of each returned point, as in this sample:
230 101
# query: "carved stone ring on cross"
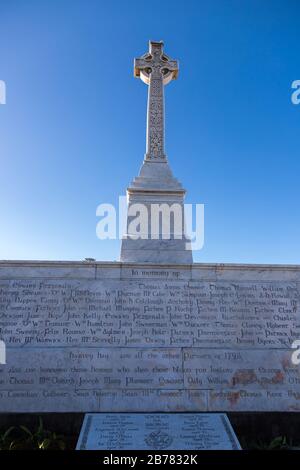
145 72
156 64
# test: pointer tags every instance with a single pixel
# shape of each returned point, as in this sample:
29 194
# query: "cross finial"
156 69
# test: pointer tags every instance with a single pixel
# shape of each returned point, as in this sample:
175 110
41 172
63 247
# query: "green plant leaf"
6 434
26 430
40 427
45 444
61 445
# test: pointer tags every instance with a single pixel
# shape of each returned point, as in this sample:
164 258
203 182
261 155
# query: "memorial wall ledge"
117 270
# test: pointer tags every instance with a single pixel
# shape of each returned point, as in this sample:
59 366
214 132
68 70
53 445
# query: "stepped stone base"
156 185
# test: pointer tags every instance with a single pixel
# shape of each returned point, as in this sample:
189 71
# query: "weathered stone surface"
148 338
122 431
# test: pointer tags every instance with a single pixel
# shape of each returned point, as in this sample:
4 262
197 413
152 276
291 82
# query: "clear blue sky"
72 134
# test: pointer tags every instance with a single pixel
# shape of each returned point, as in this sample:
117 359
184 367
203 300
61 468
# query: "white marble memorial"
154 332
157 431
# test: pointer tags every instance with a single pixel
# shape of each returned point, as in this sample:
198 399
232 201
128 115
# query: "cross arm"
171 66
141 64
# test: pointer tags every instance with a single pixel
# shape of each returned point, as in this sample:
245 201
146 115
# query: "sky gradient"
72 132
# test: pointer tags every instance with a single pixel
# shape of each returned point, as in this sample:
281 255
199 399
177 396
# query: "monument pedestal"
156 195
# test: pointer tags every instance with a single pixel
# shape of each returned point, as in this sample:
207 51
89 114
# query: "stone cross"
156 69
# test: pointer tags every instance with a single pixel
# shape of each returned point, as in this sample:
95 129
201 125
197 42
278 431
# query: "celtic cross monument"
155 196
